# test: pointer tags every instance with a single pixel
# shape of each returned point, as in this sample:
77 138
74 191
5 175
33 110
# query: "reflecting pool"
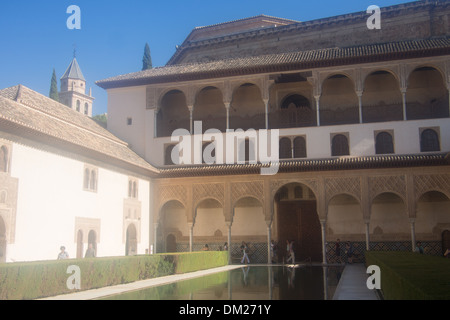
249 283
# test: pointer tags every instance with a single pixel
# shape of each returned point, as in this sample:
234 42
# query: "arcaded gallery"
363 123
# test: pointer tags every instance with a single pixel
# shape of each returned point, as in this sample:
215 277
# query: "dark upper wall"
414 20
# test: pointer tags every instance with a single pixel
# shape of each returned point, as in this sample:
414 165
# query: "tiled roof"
343 163
283 62
73 71
25 111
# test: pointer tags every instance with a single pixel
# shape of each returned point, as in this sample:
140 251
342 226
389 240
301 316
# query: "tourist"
290 251
90 252
419 248
63 254
447 253
273 251
349 252
225 246
244 249
205 248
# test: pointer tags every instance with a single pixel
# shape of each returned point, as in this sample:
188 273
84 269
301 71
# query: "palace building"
363 123
363 119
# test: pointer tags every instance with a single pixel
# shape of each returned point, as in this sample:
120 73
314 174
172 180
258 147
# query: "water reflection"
249 283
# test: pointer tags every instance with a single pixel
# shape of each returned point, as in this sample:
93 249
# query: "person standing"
90 252
290 251
244 249
63 254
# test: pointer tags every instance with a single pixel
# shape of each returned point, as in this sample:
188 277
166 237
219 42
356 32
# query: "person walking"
290 250
90 252
63 254
244 249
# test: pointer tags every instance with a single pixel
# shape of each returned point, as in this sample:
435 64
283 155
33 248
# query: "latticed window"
384 143
300 147
429 141
339 146
285 151
298 192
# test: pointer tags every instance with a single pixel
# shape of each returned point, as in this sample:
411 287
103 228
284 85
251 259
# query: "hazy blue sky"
35 38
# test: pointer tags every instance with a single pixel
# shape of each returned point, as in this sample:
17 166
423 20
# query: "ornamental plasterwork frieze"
382 184
431 182
241 190
342 185
203 191
172 192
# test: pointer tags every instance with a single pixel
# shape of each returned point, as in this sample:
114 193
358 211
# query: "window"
90 179
429 141
3 159
86 108
300 147
168 155
284 193
339 146
129 121
78 105
132 188
384 143
210 157
285 151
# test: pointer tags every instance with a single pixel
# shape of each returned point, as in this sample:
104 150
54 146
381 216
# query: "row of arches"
296 218
381 98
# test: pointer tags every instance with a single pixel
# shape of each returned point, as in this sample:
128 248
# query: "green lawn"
412 276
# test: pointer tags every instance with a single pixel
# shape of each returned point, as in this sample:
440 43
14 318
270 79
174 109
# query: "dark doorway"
445 240
131 241
298 221
171 243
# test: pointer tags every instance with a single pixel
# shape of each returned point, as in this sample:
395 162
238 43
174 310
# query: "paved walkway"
113 290
352 285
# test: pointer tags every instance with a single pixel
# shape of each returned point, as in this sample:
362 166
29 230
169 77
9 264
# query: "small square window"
129 121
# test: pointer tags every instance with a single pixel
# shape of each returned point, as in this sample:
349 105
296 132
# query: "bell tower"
73 90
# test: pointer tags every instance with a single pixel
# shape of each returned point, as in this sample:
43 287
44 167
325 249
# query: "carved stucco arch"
387 184
169 193
434 182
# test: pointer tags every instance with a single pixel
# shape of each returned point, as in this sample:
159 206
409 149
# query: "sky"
36 39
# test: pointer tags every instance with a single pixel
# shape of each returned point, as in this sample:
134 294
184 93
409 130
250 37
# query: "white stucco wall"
51 195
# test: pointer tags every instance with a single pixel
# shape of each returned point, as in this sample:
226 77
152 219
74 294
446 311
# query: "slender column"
413 234
155 123
229 242
191 111
155 235
359 94
266 104
269 240
191 235
227 108
324 245
318 109
404 102
367 235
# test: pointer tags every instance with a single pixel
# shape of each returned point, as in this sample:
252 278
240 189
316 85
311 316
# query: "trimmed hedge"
33 280
412 276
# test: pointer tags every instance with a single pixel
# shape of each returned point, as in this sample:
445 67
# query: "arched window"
86 178
429 141
299 147
86 108
384 143
78 105
285 151
130 188
168 155
93 182
339 146
298 192
3 159
284 193
135 191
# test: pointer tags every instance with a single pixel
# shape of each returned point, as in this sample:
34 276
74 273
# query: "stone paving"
352 285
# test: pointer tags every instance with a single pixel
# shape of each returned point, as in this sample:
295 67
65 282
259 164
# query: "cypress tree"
147 59
54 88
